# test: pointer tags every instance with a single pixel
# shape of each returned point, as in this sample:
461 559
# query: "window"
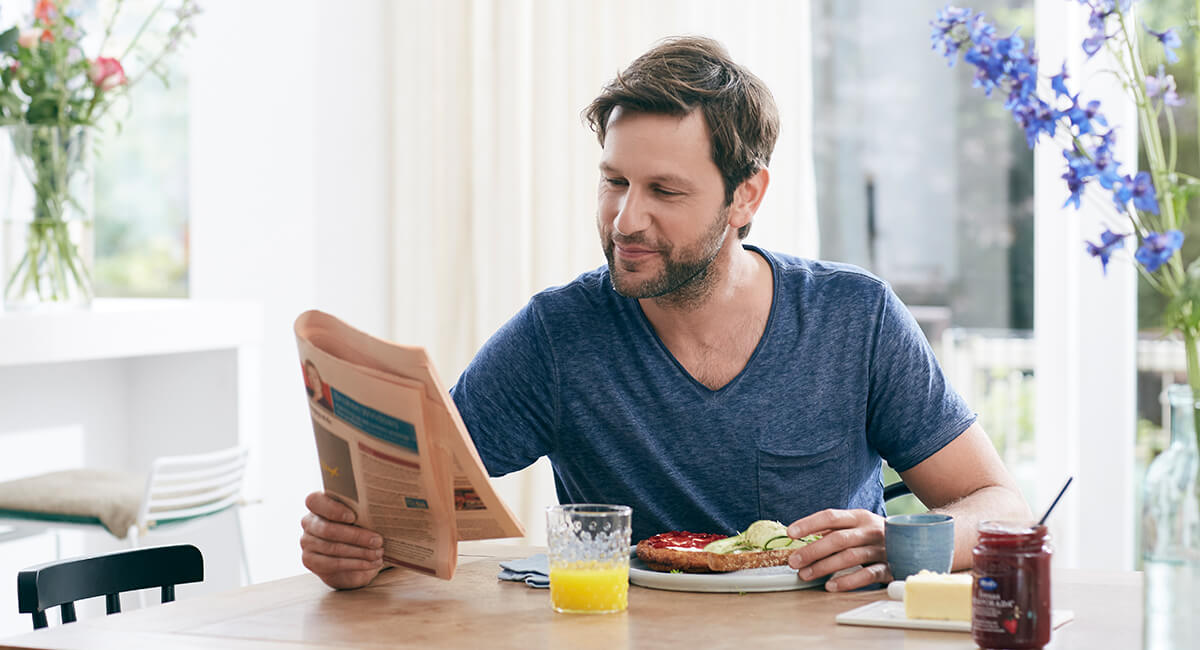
141 182
926 182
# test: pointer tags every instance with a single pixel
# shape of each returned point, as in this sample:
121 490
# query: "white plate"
774 578
890 613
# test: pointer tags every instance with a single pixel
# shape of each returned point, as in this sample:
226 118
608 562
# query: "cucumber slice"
727 545
782 541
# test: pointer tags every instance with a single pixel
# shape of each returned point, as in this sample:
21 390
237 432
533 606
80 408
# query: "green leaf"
8 40
43 110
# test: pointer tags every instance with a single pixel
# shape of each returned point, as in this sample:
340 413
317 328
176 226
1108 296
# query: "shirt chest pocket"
796 483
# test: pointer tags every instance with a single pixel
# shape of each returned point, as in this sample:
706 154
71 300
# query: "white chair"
178 490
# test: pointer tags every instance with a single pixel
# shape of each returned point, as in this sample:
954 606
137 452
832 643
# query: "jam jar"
1010 597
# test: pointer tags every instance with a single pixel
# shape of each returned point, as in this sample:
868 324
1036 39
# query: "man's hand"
344 556
849 538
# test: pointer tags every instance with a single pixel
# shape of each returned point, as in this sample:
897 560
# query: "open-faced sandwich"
764 543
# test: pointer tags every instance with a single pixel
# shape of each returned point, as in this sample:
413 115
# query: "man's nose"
632 215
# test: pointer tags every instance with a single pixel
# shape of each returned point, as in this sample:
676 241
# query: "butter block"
938 596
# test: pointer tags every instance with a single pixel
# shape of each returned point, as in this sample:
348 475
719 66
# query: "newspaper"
393 447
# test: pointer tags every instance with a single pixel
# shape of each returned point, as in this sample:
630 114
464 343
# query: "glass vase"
47 231
1171 534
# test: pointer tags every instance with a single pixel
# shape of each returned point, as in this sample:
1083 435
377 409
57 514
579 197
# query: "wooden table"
475 610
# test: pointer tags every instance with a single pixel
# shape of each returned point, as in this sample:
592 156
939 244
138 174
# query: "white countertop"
126 327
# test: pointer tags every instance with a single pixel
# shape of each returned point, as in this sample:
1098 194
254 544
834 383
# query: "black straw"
1060 495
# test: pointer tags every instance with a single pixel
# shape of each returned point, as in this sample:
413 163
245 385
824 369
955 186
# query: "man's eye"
666 192
616 181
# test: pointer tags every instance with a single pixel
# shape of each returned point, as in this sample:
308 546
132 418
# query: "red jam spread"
1010 599
682 539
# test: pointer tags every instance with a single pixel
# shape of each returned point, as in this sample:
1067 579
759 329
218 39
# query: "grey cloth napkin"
533 571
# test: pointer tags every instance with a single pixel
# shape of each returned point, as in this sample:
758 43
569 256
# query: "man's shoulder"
587 296
589 286
813 275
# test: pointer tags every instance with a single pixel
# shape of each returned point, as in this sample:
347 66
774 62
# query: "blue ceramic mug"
916 542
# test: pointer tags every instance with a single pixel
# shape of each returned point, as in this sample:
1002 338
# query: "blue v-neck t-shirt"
841 378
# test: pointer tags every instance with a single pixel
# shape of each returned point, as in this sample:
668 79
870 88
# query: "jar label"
996 611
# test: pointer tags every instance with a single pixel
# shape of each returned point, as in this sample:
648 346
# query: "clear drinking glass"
589 557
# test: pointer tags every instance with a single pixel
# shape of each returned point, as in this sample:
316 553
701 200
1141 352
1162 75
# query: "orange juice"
590 587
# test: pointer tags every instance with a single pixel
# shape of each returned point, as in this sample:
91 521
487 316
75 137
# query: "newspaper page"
394 448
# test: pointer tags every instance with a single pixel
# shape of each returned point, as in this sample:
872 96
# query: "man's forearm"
994 502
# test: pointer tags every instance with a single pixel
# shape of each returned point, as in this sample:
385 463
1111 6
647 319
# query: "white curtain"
495 174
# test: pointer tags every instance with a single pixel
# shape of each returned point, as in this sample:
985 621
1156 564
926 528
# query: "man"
701 381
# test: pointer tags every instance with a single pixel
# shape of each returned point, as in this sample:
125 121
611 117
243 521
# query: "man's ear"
747 197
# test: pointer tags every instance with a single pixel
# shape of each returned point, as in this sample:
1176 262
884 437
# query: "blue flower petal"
1109 242
1144 197
1058 83
1157 248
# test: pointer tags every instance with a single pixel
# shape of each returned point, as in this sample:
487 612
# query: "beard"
685 273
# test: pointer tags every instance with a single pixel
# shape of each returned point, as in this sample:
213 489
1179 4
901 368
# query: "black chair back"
61 583
897 489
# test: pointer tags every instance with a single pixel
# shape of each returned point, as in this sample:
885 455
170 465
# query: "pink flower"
45 11
29 38
106 73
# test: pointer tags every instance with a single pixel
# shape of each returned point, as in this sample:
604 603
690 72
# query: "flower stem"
1174 275
142 29
52 267
108 26
1171 138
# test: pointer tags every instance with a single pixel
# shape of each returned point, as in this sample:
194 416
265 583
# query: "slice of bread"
668 559
748 560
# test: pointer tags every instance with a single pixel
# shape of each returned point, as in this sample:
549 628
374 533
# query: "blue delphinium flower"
1035 117
1170 41
950 31
1095 41
1121 188
1083 117
1101 10
1143 193
1157 248
1107 167
1005 64
1079 171
1058 83
1109 242
1163 84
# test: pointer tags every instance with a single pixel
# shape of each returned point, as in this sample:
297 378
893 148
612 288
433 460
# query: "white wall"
290 207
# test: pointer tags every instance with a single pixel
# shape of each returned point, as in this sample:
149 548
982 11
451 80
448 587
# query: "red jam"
1010 598
682 539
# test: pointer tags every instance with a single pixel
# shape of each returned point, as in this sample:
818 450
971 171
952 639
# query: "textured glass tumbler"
589 557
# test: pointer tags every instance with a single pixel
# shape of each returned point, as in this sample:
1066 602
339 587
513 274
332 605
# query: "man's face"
661 212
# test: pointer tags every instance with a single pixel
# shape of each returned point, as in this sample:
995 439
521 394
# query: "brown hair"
681 74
